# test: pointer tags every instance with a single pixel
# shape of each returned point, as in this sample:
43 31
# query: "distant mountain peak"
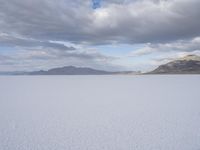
189 64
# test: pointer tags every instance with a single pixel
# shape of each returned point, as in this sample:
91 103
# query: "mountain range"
70 70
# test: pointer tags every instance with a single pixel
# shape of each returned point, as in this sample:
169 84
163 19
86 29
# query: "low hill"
70 70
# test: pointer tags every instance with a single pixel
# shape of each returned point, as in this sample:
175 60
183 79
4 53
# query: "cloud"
177 46
125 22
17 41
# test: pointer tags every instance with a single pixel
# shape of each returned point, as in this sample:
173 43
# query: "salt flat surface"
100 112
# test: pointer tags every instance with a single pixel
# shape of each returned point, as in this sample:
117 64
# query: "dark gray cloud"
42 19
126 22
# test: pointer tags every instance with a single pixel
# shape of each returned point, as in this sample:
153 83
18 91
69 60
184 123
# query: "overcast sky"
102 34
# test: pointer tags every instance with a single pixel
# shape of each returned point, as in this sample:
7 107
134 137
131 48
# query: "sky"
101 34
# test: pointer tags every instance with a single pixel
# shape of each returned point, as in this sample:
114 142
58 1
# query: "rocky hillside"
186 65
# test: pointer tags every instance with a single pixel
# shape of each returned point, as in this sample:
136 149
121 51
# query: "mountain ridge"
70 70
189 64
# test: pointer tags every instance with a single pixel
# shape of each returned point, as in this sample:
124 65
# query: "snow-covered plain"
100 112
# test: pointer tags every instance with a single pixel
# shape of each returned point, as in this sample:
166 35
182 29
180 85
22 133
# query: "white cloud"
177 46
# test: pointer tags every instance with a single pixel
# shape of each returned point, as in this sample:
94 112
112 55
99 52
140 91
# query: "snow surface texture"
100 113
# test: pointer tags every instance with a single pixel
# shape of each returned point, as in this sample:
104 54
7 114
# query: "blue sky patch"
96 4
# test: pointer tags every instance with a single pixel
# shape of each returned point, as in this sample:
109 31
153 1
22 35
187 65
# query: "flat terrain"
100 112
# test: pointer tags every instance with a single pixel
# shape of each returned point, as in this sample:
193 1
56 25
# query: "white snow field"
100 112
